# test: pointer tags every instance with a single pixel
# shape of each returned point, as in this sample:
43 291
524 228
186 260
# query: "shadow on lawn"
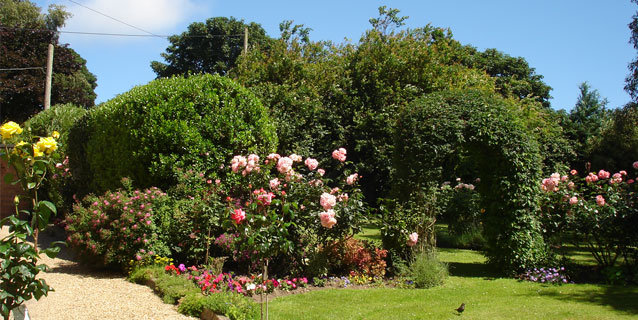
473 270
620 298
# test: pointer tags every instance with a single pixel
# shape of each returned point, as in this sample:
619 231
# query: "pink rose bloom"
284 165
616 178
413 238
343 197
327 201
274 183
217 181
563 178
573 200
602 174
635 165
311 163
253 158
334 190
327 218
295 157
600 200
352 179
321 172
630 181
238 215
571 185
573 172
237 163
339 154
623 172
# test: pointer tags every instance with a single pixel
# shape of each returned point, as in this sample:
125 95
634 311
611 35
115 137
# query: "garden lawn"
472 283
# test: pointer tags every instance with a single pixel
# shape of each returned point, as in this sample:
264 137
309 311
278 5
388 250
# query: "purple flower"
182 268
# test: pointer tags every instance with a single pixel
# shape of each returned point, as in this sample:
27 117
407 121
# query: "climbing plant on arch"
472 134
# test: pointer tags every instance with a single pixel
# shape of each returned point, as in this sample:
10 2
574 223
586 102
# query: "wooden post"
245 40
47 88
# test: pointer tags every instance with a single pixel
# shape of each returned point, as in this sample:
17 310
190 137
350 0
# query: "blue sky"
566 41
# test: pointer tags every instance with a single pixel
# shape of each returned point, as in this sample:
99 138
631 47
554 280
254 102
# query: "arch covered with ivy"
452 133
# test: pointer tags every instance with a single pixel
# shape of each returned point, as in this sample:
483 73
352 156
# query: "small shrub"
232 305
357 257
117 227
426 271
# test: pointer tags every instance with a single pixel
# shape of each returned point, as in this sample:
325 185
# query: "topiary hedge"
150 131
471 134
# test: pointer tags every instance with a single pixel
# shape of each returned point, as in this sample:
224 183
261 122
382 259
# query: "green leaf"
31 185
49 206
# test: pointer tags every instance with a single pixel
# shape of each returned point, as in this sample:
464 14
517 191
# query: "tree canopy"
631 82
209 47
24 37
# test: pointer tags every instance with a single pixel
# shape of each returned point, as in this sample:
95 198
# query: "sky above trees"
568 42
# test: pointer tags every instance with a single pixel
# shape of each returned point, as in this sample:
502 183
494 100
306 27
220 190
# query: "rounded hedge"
151 130
60 118
471 134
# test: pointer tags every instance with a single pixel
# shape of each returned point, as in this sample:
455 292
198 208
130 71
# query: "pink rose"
274 183
573 200
237 163
327 201
623 172
602 174
600 200
635 165
352 179
284 165
413 238
327 218
343 197
238 215
616 178
339 154
311 163
573 172
321 172
295 157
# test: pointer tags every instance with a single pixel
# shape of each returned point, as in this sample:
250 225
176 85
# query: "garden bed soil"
82 293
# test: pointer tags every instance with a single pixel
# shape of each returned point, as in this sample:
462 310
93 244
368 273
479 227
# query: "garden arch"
478 133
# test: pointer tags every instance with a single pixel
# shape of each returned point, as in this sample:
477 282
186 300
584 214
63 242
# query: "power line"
118 20
121 34
20 69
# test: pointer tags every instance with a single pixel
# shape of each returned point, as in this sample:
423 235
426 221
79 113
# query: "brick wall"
8 192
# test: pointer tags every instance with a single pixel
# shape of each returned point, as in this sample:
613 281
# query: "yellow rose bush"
19 268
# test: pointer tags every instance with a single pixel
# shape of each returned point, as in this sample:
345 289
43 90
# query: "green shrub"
58 118
233 305
149 131
118 227
426 271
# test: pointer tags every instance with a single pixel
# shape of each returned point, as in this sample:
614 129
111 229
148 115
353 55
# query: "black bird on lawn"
461 308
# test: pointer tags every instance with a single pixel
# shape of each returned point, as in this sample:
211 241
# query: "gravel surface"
82 293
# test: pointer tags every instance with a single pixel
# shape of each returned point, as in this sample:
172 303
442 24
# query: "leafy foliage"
25 37
617 144
208 47
631 82
476 135
426 271
150 131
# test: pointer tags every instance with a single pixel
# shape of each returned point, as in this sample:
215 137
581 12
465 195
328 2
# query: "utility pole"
245 40
47 88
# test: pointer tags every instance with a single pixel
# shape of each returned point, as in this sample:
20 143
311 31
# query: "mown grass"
486 296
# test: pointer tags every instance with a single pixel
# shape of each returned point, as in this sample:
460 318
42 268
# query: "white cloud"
155 16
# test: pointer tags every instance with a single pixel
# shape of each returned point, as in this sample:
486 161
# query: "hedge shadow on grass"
618 297
472 270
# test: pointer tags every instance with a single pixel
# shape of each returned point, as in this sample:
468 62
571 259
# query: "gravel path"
81 293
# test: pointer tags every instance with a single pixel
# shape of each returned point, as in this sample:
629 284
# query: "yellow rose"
47 144
36 151
55 135
17 149
9 129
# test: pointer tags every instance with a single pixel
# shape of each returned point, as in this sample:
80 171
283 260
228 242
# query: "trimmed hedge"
150 131
470 134
60 118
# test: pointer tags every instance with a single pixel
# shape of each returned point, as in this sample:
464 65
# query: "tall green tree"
25 34
587 119
631 82
209 47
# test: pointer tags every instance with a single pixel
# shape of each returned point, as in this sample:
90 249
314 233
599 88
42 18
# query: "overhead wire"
121 34
115 19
